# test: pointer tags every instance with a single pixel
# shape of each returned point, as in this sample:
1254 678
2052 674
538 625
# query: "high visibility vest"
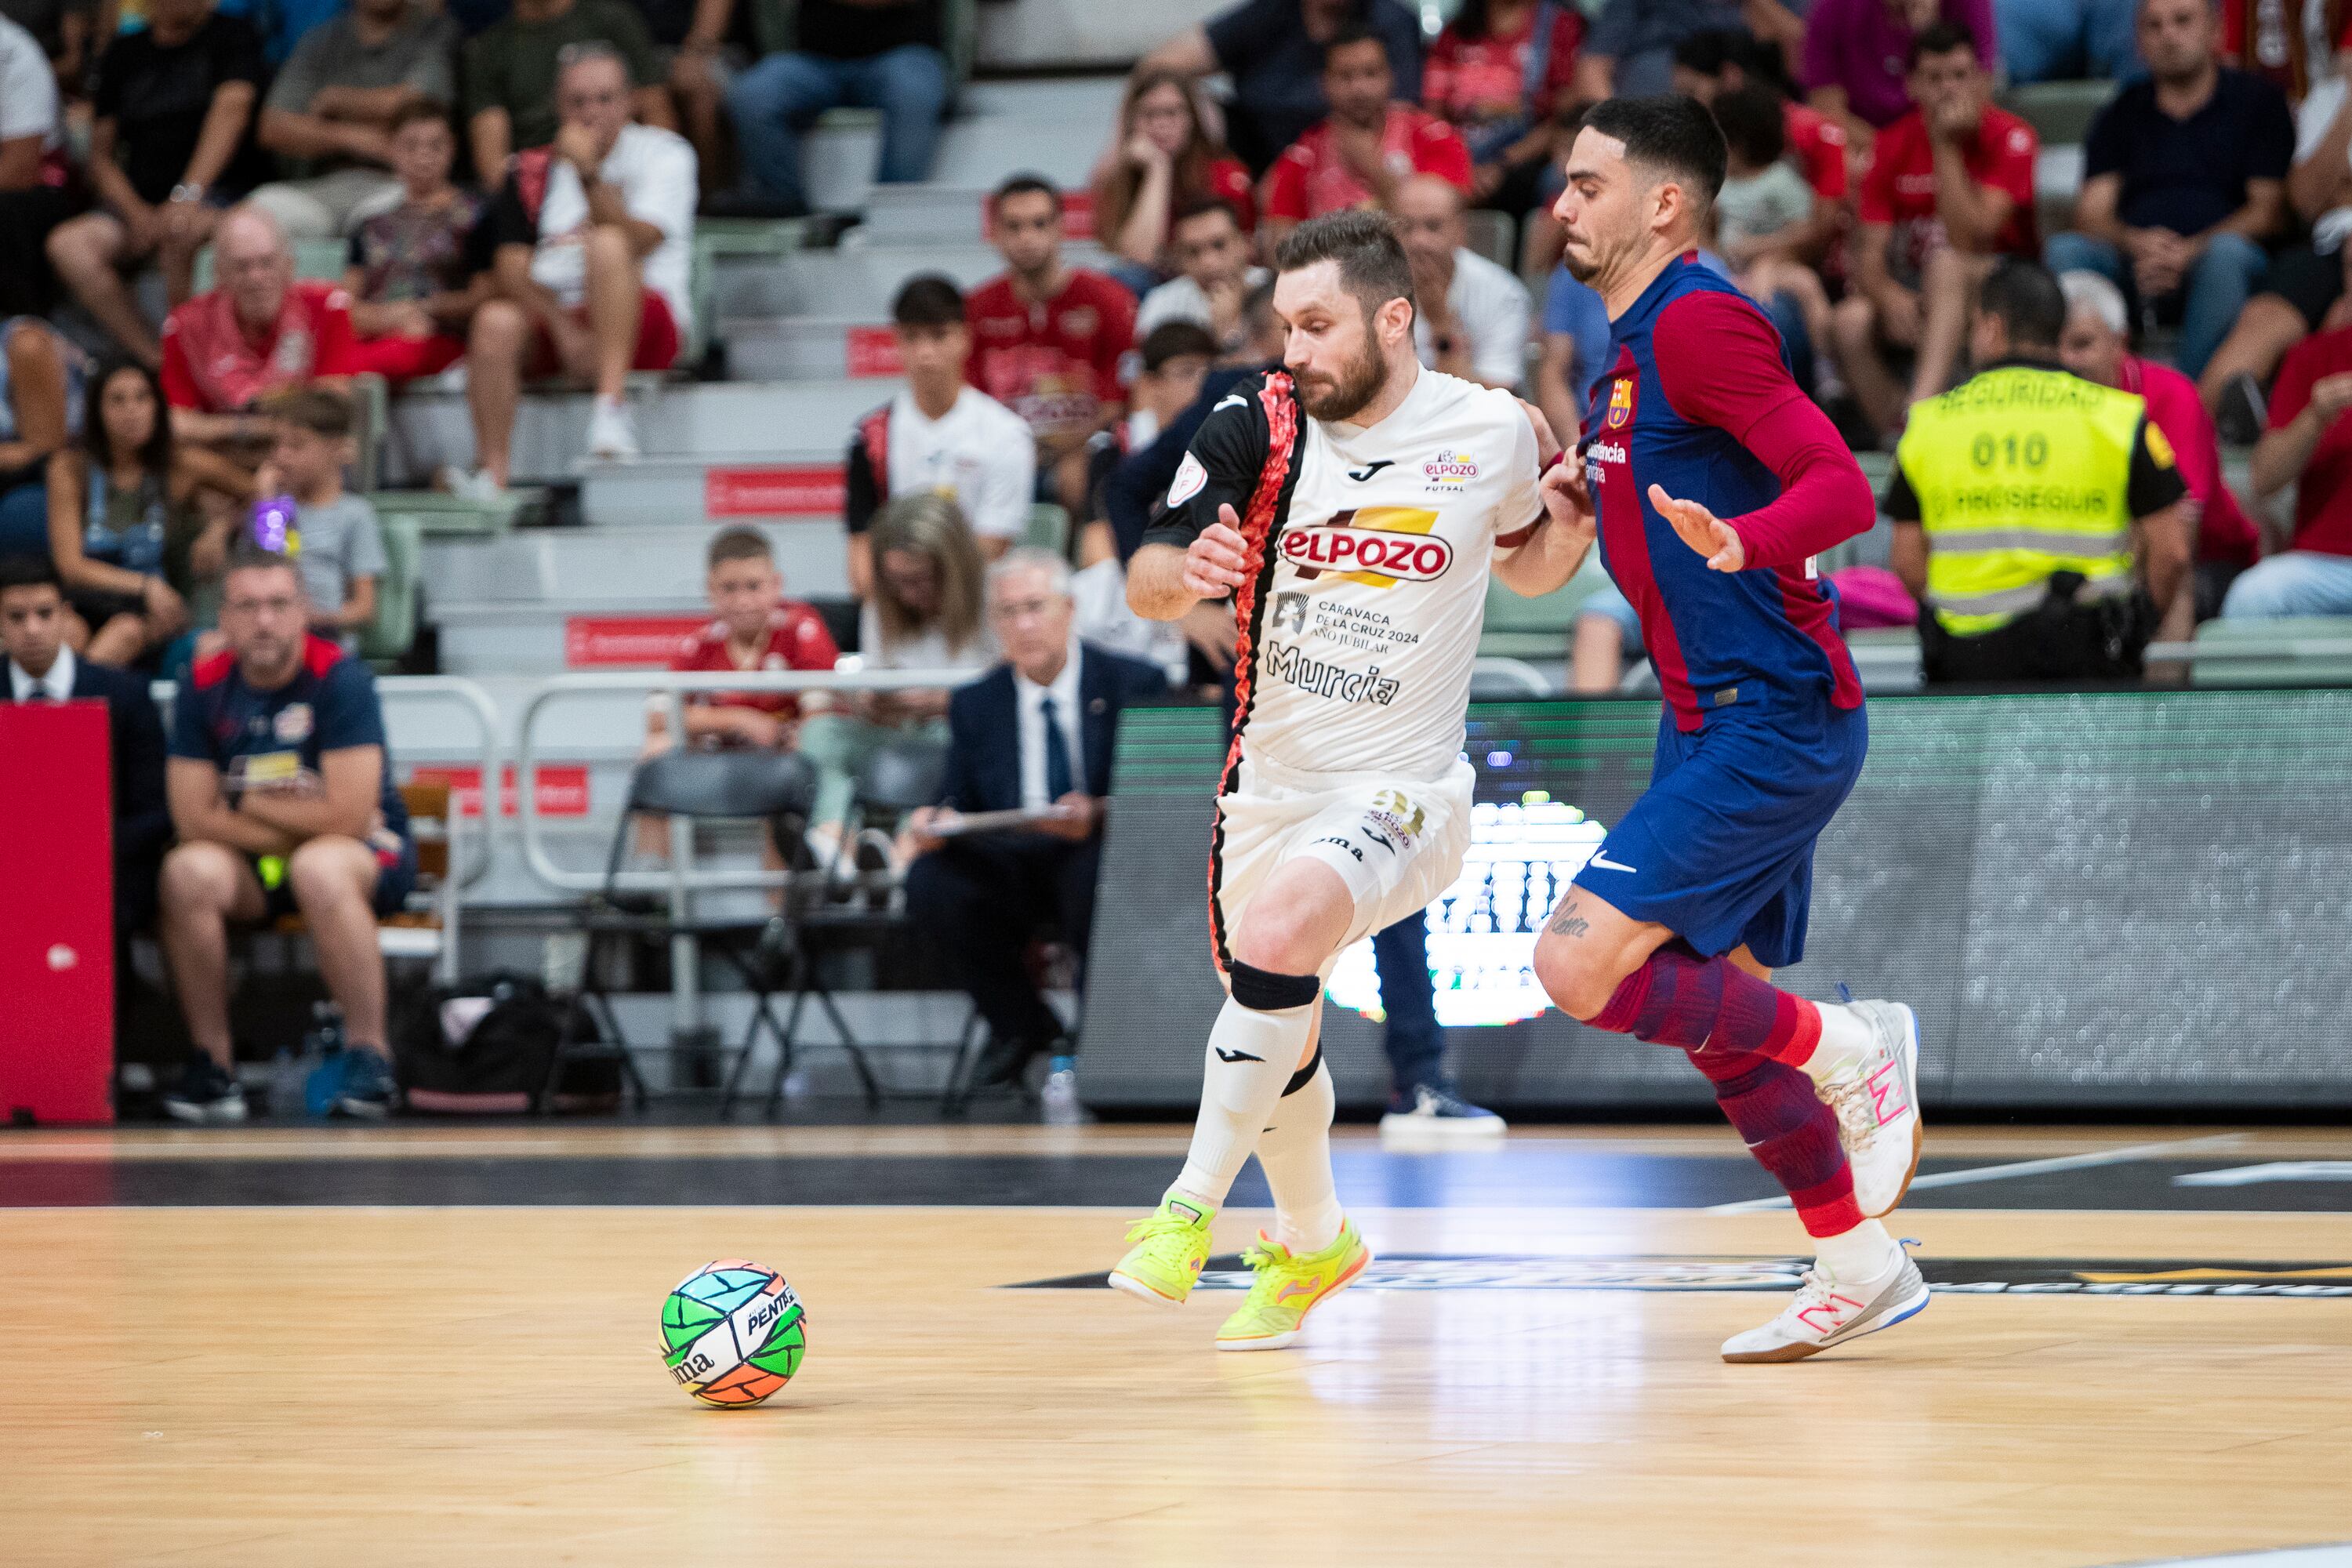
2020 472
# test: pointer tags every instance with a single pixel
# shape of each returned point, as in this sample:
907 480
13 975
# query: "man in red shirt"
258 330
1047 338
1949 191
2309 441
2093 347
1368 148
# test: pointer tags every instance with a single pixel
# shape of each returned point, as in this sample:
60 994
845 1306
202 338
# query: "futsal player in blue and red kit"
1711 482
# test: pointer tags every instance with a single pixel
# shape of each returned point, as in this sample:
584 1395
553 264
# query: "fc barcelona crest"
1620 401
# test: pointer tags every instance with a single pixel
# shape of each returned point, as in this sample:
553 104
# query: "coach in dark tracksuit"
1036 732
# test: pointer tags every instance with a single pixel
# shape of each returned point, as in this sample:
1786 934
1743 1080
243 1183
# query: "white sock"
1847 1038
1294 1152
1251 1055
1857 1256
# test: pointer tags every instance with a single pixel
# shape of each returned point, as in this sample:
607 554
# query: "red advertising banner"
562 789
57 947
595 641
790 489
872 350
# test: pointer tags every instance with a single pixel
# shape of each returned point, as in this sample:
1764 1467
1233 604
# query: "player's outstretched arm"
1702 530
1163 582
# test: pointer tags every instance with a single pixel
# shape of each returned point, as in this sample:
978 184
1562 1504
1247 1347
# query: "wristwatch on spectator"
187 192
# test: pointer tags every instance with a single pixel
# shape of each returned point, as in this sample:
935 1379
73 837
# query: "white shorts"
1396 843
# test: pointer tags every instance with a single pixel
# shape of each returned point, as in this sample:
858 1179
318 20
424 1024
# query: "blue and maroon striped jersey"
1696 399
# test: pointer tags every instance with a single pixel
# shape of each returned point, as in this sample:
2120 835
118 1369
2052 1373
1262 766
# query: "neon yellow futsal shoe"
1169 1245
1289 1287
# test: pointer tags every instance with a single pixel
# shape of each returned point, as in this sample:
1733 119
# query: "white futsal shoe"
1876 1094
1829 1311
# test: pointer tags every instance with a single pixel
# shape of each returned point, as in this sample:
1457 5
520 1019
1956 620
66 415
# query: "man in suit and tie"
42 669
1035 734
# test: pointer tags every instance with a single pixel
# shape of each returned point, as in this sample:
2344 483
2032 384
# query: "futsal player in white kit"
1353 505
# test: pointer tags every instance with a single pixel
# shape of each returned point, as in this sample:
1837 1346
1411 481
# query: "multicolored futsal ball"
733 1333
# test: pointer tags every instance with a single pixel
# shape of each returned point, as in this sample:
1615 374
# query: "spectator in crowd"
1215 276
1708 65
1048 338
1766 222
1500 73
2061 590
36 181
1165 163
2301 293
1471 319
2094 346
34 618
259 330
514 74
941 435
1574 350
753 628
591 242
1273 50
926 610
702 46
1368 147
2184 182
281 791
61 30
1630 51
1856 50
128 529
2067 40
872 54
334 105
338 544
170 142
1949 189
1175 358
2308 445
409 275
1036 734
39 390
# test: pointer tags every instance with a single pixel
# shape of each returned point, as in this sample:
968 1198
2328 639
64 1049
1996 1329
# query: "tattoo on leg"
1567 921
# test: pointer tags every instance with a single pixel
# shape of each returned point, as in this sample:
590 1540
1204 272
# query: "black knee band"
1262 991
1304 1074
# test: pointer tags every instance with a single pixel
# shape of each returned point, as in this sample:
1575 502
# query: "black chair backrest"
724 784
902 775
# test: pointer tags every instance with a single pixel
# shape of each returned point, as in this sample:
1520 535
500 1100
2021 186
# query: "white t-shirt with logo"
1490 304
981 452
654 170
1363 633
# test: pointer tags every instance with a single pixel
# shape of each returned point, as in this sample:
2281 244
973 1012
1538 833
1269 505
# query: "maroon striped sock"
1711 1005
1791 1133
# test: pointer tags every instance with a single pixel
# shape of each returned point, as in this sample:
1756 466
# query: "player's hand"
1702 530
919 835
1217 562
1074 818
1568 495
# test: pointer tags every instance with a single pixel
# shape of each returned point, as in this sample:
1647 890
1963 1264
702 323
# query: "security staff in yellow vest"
2039 517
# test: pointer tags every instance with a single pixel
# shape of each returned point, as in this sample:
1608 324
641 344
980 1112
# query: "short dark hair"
1202 207
315 410
2027 299
247 555
1174 339
1347 34
1752 120
739 544
28 571
1024 185
1668 132
417 109
1371 263
927 299
1706 51
1940 38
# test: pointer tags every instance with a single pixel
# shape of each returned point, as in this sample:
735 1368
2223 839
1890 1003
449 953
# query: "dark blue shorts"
1719 849
396 879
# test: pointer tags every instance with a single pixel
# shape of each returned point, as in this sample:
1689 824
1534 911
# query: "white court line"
2123 1156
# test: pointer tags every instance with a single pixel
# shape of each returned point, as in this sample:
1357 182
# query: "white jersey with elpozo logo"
1362 623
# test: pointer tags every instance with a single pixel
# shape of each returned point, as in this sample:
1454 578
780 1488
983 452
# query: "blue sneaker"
367 1091
1436 1113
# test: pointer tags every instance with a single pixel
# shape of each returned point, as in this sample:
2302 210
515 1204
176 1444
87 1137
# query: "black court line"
1525 1175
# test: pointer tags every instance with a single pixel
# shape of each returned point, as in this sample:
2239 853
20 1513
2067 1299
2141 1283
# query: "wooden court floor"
287 1383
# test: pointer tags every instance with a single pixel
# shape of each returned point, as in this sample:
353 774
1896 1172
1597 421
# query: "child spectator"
1764 218
1176 358
131 542
1166 162
411 285
337 545
753 628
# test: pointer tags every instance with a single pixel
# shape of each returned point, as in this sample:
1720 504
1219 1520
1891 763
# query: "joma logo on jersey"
1621 403
1378 546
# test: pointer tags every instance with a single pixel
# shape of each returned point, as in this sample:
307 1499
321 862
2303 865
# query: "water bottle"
323 1047
1061 1093
286 1074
